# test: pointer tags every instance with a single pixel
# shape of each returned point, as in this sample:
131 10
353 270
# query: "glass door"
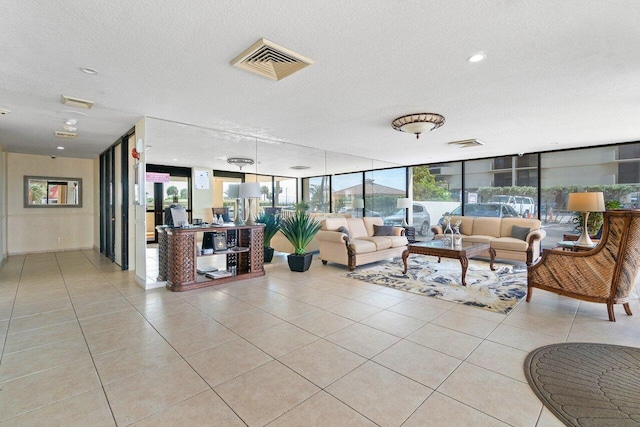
165 186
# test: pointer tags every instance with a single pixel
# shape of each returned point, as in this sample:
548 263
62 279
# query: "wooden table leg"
405 255
464 262
492 252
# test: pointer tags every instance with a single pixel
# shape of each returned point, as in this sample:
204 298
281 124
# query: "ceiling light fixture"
480 56
60 148
4 111
71 122
418 123
240 161
88 70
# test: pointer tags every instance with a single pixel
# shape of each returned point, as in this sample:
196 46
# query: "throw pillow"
383 230
520 232
344 230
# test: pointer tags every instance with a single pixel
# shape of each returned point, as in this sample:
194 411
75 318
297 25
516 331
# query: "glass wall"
347 194
436 191
382 189
285 193
502 187
316 192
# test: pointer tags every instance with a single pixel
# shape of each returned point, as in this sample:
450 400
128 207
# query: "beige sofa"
360 245
498 232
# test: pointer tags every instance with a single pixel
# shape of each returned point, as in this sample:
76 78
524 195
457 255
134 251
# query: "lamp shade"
358 203
586 202
403 203
249 190
234 191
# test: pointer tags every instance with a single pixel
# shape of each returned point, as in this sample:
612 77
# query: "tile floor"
82 345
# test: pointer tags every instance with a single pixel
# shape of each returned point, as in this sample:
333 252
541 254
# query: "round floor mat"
587 384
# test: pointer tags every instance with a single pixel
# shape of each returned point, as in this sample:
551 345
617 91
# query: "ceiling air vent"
299 168
67 135
270 60
466 143
76 102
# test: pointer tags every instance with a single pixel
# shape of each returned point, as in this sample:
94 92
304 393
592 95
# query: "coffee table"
437 248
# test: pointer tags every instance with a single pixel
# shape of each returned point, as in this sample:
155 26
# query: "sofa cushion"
519 232
362 246
357 229
383 230
397 241
509 244
508 223
466 224
332 224
370 222
478 238
381 242
484 226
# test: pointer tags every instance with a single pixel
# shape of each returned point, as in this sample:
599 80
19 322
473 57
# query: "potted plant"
299 230
271 227
596 219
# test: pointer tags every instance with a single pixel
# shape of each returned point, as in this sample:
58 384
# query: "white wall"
3 205
37 229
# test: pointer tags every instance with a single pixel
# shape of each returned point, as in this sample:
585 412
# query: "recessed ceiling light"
60 148
477 57
175 160
87 70
72 122
4 111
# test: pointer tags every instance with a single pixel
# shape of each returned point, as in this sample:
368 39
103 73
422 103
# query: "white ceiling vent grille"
66 135
76 102
466 143
270 60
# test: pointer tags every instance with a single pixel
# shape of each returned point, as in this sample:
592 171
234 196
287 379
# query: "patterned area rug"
497 291
586 384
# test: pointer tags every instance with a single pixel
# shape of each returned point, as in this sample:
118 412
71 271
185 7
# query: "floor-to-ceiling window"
317 193
165 186
347 193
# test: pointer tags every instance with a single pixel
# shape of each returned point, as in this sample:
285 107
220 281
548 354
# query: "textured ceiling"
557 75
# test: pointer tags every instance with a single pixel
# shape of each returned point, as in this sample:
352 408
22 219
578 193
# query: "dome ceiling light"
418 123
240 161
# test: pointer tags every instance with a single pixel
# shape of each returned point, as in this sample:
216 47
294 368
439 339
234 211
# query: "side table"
410 233
574 247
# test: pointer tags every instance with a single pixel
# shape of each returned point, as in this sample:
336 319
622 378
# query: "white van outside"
523 205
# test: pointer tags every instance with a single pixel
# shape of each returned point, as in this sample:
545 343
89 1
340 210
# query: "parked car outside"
421 219
522 204
484 209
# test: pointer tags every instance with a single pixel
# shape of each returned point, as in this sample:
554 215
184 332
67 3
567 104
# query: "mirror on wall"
52 192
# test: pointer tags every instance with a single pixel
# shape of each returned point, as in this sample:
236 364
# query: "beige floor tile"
440 410
114 339
264 298
40 296
35 391
146 393
361 390
379 300
119 364
353 310
227 361
491 393
321 323
281 339
165 308
42 336
510 359
417 310
283 389
395 292
322 362
467 324
179 321
41 307
202 337
363 340
421 364
435 302
558 326
322 410
220 310
86 409
102 307
521 338
393 323
120 319
320 299
445 340
203 409
290 309
344 291
547 419
34 360
248 323
41 320
94 297
481 313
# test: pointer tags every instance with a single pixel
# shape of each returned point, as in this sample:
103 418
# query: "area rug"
587 384
498 290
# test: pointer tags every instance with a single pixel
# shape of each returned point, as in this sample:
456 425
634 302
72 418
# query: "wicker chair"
603 274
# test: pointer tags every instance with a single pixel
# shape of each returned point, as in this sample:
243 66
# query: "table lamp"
404 203
250 190
233 192
585 203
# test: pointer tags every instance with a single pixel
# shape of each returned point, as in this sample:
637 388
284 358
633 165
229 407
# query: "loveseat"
357 241
517 239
